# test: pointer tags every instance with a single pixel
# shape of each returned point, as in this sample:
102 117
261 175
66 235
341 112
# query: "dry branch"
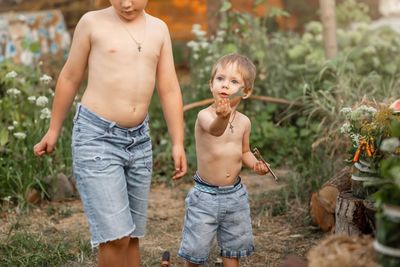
260 97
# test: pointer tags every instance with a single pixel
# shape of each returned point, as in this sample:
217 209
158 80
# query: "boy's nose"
126 3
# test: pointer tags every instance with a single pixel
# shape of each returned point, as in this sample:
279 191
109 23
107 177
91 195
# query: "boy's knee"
117 243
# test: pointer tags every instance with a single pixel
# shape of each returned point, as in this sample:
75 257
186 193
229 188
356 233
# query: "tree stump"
323 202
350 215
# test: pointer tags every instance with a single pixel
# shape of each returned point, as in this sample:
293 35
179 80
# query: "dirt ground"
276 233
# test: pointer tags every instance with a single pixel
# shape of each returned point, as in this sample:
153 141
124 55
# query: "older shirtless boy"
126 52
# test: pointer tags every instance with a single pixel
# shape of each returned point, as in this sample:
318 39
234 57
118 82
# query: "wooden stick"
255 97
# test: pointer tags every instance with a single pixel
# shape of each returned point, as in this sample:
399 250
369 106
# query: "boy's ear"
247 93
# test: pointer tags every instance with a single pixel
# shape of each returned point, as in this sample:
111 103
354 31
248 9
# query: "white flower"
46 79
390 144
32 99
15 123
204 45
196 28
45 114
367 109
10 128
20 135
11 74
13 91
42 101
346 128
194 45
345 111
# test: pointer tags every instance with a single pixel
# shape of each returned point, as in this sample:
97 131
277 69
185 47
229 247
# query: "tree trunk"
351 215
327 9
323 202
213 16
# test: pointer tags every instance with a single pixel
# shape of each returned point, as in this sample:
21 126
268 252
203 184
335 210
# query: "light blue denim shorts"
221 212
113 168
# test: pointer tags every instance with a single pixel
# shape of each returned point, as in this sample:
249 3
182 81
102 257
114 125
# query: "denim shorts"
113 168
221 212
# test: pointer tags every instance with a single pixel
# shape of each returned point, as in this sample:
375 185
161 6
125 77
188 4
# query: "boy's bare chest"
120 45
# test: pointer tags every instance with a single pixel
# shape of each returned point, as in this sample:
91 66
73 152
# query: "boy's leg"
113 253
230 262
133 253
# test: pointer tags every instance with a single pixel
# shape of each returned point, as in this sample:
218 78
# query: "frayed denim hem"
95 244
237 254
191 259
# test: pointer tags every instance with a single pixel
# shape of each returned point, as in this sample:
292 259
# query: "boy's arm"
171 101
248 157
216 126
68 83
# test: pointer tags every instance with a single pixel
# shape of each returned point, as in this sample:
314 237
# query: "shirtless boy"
126 52
217 205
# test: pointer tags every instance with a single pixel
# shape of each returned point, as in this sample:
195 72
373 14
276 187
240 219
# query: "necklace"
230 122
138 44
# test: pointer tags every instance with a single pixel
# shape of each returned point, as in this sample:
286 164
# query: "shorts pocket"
83 133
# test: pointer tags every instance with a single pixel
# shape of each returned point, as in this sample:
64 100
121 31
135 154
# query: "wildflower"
10 75
390 144
20 135
32 99
194 45
41 101
46 79
345 111
15 123
346 128
13 91
10 128
45 114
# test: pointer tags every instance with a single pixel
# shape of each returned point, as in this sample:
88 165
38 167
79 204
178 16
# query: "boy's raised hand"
46 145
260 167
223 107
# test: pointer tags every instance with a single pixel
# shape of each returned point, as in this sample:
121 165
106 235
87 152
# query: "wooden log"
350 215
323 202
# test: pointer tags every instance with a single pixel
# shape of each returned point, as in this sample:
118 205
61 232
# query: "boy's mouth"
223 95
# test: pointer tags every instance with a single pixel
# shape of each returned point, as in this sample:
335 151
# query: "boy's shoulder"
156 22
243 117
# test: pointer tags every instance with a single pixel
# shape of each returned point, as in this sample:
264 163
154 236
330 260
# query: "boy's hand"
179 156
46 145
260 168
223 107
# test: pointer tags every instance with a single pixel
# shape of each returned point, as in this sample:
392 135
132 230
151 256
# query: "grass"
26 249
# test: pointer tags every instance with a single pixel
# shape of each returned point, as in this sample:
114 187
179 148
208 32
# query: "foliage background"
290 65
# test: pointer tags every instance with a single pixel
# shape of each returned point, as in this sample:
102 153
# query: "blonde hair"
244 65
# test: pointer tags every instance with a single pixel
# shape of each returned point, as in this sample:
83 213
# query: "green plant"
25 97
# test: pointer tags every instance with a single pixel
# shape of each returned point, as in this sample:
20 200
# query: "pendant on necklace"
231 127
139 48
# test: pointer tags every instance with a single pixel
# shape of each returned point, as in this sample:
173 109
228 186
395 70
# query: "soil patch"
280 227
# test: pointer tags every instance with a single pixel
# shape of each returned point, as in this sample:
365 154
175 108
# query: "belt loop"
110 126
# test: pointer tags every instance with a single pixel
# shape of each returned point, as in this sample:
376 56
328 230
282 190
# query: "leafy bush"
292 66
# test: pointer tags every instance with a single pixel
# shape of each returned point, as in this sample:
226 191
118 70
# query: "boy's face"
227 82
129 9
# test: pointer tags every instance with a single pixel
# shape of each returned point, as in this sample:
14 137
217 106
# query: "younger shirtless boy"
126 51
217 205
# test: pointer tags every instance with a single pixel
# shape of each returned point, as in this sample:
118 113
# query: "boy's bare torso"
121 79
219 159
